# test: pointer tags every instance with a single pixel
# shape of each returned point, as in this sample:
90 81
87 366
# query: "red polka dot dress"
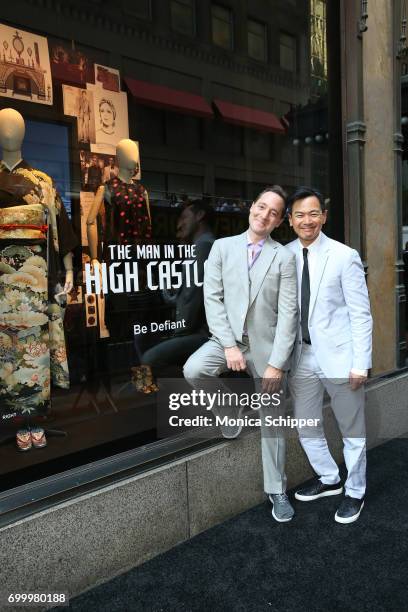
127 215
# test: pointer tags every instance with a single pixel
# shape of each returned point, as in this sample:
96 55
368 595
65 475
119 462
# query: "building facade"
221 99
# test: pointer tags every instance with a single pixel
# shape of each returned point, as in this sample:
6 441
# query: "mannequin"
127 221
12 132
36 242
127 153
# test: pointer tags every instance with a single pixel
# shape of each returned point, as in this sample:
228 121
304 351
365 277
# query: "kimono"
35 234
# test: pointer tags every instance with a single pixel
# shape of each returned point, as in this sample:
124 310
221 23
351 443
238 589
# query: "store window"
134 153
258 145
149 124
257 41
183 131
226 138
287 46
182 16
221 20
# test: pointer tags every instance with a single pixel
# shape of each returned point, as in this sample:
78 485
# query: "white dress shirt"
312 256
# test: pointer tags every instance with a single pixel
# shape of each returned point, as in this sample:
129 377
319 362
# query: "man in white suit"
250 295
332 352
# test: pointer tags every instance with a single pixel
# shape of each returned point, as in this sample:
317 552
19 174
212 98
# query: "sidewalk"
251 563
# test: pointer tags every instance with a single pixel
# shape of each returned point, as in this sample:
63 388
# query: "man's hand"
272 379
235 359
356 380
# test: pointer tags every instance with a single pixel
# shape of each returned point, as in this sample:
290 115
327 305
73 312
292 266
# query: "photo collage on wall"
91 93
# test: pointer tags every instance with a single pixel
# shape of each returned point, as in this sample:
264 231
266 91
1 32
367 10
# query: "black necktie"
305 299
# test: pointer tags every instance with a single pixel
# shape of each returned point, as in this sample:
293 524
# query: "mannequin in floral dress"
36 242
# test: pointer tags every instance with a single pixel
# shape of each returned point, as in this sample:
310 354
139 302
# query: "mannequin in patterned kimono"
127 221
36 240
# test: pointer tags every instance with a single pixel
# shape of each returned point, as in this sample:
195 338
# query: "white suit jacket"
340 322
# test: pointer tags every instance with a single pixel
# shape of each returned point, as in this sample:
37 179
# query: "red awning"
249 117
170 99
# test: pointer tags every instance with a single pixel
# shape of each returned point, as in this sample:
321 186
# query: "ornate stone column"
382 180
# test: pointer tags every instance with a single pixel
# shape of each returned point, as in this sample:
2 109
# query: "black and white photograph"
98 168
111 119
25 72
79 103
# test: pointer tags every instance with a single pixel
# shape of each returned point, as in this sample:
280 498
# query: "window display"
36 242
139 156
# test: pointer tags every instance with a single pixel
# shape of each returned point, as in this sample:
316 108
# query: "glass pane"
287 41
185 187
288 56
182 17
256 28
120 331
219 12
182 131
256 47
221 31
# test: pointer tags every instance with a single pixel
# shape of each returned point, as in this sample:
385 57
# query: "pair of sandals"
29 438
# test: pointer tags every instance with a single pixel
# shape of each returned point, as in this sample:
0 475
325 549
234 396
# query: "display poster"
96 169
25 72
70 64
108 78
79 103
111 119
141 267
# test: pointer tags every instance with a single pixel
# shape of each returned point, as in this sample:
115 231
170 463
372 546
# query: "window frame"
193 31
294 38
265 39
231 26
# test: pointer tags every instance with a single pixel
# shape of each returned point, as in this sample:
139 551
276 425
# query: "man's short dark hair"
206 208
301 193
274 189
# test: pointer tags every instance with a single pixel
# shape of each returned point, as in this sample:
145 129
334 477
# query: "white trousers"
307 386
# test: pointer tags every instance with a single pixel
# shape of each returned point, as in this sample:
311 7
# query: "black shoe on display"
349 510
317 489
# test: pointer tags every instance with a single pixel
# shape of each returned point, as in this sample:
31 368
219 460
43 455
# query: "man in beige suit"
250 294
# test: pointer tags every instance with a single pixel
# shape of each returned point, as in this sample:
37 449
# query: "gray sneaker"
282 510
232 427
